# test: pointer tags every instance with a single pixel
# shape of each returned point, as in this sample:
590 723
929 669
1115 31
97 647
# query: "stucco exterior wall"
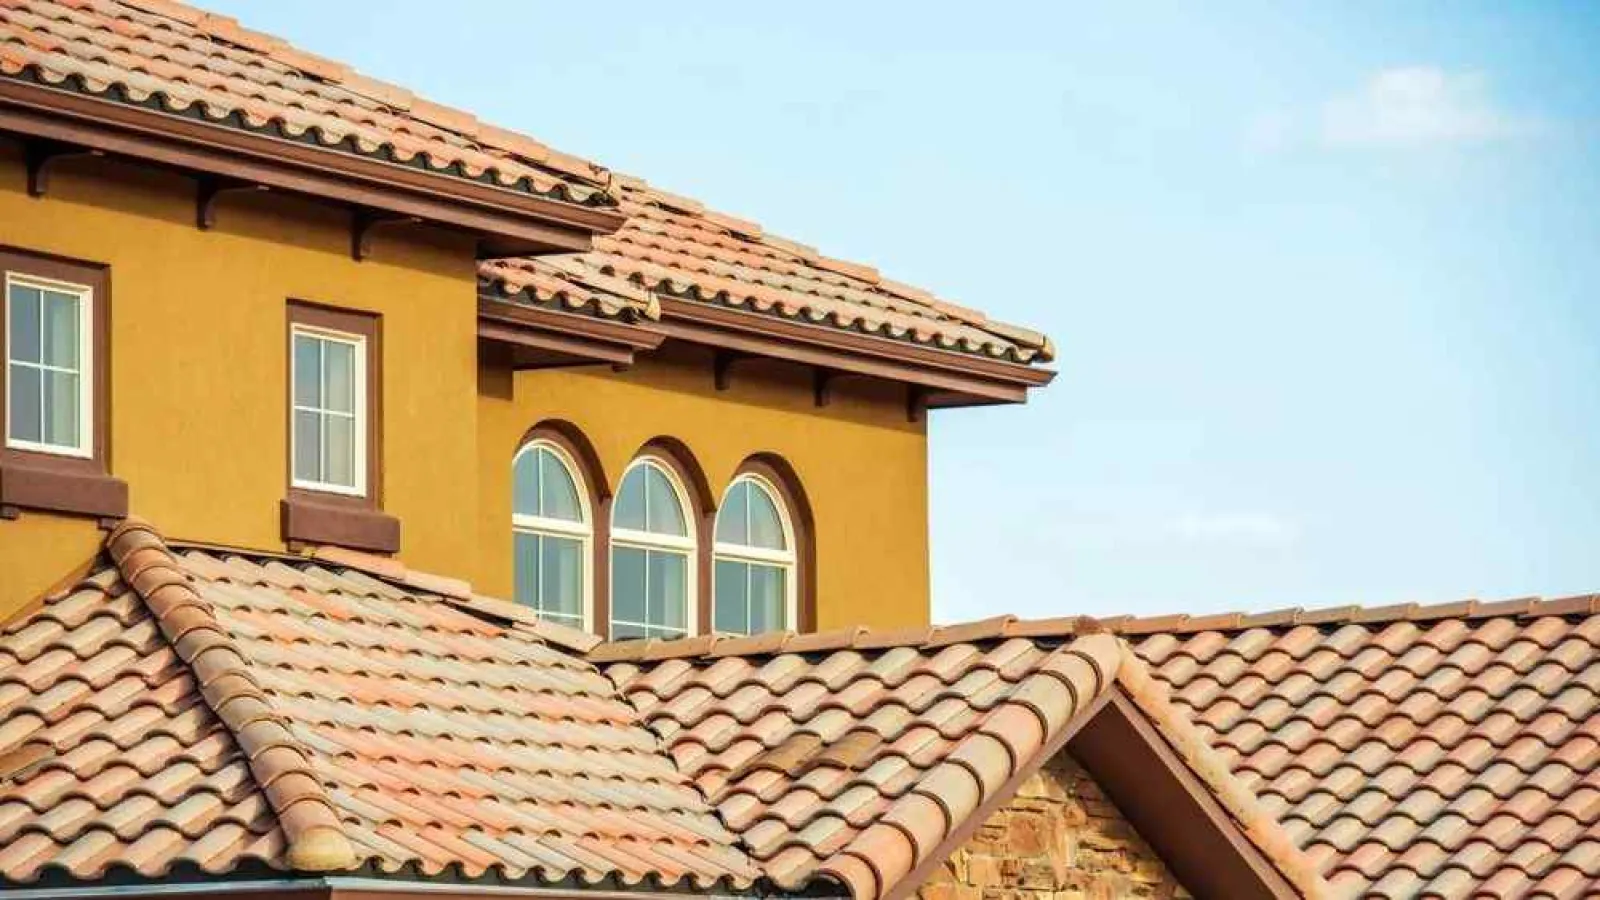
199 387
1060 838
862 465
199 367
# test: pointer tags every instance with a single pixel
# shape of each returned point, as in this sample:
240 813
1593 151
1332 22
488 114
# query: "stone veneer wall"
1058 839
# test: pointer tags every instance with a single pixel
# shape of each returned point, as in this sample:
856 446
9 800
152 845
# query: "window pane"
627 584
560 491
525 484
24 408
307 446
61 408
732 614
561 576
61 329
732 518
669 590
23 329
628 510
340 465
339 365
525 568
621 632
766 527
767 597
663 514
307 371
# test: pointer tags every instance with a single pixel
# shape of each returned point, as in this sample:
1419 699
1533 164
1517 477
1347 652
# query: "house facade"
392 505
482 306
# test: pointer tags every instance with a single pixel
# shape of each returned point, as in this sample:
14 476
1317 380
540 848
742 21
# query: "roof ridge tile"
276 760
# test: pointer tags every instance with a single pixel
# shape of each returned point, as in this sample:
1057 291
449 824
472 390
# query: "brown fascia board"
1170 807
509 222
954 379
523 327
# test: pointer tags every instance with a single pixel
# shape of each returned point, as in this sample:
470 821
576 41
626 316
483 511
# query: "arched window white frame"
552 535
756 565
653 574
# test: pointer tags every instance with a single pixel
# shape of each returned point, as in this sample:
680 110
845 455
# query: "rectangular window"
54 390
49 366
329 432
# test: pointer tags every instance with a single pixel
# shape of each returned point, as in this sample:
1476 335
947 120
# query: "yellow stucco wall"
199 374
862 465
198 424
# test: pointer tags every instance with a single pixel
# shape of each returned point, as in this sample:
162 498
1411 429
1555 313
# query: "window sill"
353 522
47 483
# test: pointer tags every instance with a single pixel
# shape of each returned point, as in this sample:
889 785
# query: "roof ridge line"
776 643
276 760
1259 827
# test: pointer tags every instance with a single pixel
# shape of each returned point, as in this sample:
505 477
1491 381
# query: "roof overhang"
505 222
947 378
536 338
543 338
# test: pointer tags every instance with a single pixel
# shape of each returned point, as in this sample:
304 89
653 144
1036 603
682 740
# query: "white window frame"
788 559
86 363
359 342
541 525
649 540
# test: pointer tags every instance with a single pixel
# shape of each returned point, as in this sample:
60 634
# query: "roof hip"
279 765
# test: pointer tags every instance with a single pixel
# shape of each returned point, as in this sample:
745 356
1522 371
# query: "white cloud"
1247 529
1417 106
1406 107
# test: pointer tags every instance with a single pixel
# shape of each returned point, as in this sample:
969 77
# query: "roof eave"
505 222
941 378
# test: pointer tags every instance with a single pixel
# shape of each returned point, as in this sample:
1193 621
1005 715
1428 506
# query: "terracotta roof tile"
187 62
671 248
914 732
302 715
1439 751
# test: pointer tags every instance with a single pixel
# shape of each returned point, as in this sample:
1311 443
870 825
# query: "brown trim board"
541 338
953 378
508 223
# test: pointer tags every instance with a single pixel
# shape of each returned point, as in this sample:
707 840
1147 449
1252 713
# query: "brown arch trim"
566 435
676 456
776 471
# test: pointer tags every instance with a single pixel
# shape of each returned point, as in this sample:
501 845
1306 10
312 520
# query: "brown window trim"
572 441
39 480
321 517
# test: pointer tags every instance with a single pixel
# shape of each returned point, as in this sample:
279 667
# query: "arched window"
551 533
652 554
755 557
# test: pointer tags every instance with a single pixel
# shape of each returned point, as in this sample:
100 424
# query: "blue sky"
1323 277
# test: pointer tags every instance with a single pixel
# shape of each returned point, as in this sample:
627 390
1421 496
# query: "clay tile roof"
672 247
182 60
1446 751
201 709
864 758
